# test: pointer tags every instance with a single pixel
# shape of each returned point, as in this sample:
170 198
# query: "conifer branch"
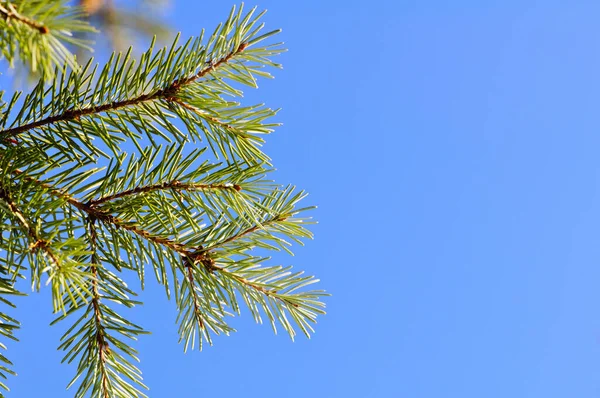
38 33
175 185
99 335
202 114
241 234
190 254
167 94
212 65
11 13
96 213
196 300
8 325
203 219
101 359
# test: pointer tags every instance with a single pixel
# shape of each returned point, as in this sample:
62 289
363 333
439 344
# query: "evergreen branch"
128 100
64 272
8 324
166 94
11 13
274 290
100 353
39 32
241 234
102 345
95 213
92 209
202 256
175 185
195 255
200 307
196 301
162 206
212 66
210 119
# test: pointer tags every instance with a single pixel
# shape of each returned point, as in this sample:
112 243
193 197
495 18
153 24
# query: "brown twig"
11 13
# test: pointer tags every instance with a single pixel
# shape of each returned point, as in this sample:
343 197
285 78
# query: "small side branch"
204 115
37 243
176 185
241 234
191 281
9 13
105 217
100 334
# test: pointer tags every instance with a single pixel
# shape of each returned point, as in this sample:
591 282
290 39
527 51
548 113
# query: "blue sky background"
453 150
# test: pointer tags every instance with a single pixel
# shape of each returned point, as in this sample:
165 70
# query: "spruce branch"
38 33
167 94
9 13
191 284
242 234
65 273
8 324
49 187
92 211
99 335
175 185
127 100
103 356
200 221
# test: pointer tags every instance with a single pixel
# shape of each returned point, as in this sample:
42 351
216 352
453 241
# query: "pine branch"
51 189
175 185
127 101
38 32
282 219
242 234
92 212
102 345
183 213
195 299
210 119
8 325
9 13
200 308
102 356
167 94
64 272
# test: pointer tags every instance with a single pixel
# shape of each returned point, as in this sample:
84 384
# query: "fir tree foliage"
38 32
192 203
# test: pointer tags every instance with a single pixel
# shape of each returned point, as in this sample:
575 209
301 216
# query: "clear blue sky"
453 150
